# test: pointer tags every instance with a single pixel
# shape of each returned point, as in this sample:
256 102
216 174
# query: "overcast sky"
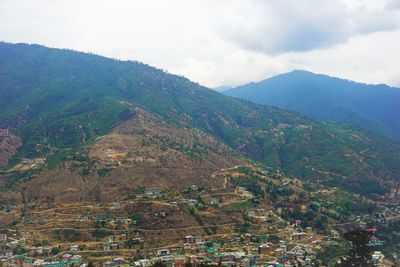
221 42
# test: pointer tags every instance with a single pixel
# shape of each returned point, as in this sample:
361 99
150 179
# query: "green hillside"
375 108
61 99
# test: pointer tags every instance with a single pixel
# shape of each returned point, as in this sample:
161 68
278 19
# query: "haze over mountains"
375 108
98 120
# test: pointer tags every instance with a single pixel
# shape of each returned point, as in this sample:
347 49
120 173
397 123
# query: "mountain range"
78 126
375 108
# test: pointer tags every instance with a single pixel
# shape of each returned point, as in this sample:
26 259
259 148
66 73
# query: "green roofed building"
264 236
207 260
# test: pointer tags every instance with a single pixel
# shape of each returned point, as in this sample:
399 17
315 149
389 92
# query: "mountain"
375 108
107 126
222 88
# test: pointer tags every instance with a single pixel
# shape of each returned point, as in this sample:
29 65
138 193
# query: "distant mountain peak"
373 107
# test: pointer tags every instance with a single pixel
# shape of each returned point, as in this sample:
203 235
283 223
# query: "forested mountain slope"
375 108
58 101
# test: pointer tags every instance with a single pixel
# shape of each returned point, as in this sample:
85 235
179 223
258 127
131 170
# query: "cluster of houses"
245 250
11 254
294 246
267 216
121 242
287 245
103 218
379 260
152 193
243 192
7 248
22 260
387 214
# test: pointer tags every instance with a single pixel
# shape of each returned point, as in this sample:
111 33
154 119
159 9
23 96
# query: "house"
163 252
152 192
247 237
251 213
8 253
264 238
124 237
141 263
362 225
27 263
207 261
264 248
194 260
3 237
106 246
118 261
167 259
77 258
179 261
274 264
201 248
137 241
213 202
187 248
190 239
234 256
210 252
116 206
335 234
121 245
377 258
297 251
218 258
74 248
194 187
299 236
17 260
3 246
245 262
66 257
216 246
283 258
189 202
38 262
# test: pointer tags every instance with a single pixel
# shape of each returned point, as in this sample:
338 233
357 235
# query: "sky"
221 42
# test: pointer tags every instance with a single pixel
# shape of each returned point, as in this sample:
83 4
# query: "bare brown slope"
9 143
141 151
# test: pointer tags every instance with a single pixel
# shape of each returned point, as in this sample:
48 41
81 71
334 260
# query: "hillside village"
241 223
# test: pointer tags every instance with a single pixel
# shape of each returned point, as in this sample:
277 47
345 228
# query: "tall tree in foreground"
360 255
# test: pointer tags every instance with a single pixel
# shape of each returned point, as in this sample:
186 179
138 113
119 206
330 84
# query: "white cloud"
220 42
393 5
277 27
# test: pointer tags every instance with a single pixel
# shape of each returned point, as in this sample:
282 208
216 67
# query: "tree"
188 263
360 254
55 250
159 264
